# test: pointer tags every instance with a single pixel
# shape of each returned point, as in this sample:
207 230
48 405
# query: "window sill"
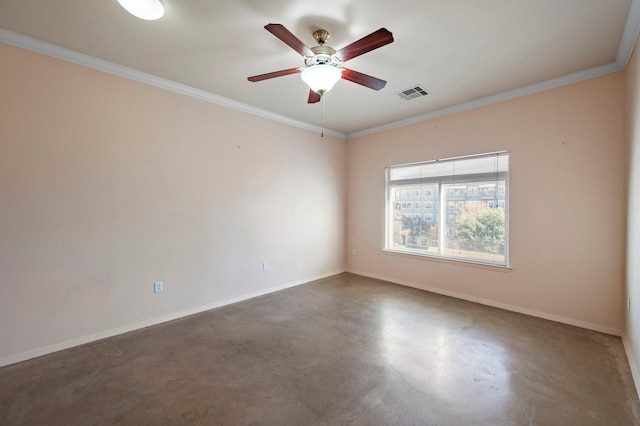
459 262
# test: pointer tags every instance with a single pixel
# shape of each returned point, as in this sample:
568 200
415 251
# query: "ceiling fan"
322 64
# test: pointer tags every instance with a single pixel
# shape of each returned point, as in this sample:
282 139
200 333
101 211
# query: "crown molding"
500 97
629 35
625 50
72 56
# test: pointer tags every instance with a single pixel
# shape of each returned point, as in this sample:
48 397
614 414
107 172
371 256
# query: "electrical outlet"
158 287
265 266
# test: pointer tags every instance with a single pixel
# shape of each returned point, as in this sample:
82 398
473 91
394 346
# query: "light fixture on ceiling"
321 78
144 9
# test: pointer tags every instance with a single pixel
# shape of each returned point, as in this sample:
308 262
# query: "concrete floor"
345 350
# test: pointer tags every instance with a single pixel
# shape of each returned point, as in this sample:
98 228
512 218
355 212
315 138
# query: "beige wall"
632 318
567 208
107 185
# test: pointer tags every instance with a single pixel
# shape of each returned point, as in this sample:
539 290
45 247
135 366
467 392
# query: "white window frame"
481 178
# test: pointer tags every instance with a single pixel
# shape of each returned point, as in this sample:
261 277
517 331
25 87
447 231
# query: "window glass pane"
410 227
454 208
475 228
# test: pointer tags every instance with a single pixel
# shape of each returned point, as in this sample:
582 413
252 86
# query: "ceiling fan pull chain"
322 119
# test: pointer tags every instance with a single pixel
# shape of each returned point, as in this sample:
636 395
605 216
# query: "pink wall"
107 185
631 336
567 209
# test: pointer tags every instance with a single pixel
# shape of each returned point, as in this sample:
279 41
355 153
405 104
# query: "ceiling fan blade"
274 74
289 39
363 79
313 97
365 44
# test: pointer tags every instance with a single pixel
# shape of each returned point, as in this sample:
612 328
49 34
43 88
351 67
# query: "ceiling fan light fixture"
321 78
148 10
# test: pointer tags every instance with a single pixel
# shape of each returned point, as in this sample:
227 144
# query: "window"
488 190
470 199
458 191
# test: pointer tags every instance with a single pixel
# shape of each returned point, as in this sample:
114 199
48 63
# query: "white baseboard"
507 307
24 356
633 366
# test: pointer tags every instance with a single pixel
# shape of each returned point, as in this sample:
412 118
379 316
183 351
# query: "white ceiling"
465 52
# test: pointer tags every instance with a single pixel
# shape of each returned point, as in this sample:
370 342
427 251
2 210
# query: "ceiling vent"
416 91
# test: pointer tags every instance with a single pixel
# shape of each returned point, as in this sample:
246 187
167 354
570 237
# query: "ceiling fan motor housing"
323 55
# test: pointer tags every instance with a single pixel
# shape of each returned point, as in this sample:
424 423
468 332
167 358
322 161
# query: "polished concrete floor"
345 350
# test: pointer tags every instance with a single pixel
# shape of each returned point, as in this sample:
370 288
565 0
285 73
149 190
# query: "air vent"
416 91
